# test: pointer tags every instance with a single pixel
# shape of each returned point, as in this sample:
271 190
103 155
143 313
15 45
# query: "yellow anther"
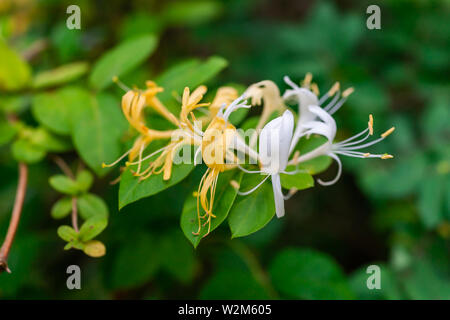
104 165
315 88
370 124
387 156
235 184
127 164
334 89
307 80
195 194
115 79
384 135
366 154
347 92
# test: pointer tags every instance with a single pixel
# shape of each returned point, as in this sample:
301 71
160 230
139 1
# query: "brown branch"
15 217
74 214
63 166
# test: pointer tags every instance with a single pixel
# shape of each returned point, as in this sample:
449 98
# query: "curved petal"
278 195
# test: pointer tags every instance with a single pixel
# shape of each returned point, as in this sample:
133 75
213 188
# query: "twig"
74 214
15 217
63 166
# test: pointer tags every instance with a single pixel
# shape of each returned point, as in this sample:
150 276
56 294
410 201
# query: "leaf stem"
74 214
15 217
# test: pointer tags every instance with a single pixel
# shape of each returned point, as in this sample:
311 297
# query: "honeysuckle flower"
308 95
264 91
274 143
326 126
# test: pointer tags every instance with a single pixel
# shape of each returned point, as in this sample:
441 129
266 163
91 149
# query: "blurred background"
394 213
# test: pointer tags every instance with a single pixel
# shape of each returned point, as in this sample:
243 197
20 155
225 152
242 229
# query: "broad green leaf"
62 208
251 212
67 233
318 164
388 282
136 261
7 132
308 274
95 249
91 205
233 284
122 59
299 181
187 74
96 131
57 109
64 184
132 188
92 227
84 180
177 256
223 201
15 73
24 151
60 75
431 200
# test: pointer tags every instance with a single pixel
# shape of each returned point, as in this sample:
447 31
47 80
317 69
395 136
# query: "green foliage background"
392 213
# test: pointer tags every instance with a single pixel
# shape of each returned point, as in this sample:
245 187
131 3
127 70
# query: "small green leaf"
7 132
60 75
64 184
92 227
299 181
308 274
251 212
91 205
62 208
24 151
122 59
84 180
44 139
15 73
95 249
223 201
67 233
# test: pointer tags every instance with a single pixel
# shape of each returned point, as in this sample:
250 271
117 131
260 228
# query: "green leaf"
177 256
122 59
91 205
251 212
55 110
191 13
187 74
40 137
84 180
67 233
92 227
132 188
431 200
299 181
96 131
60 75
136 262
389 286
233 284
7 132
308 274
15 73
64 184
62 208
318 164
24 151
223 201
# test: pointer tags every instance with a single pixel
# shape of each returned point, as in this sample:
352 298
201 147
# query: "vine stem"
15 217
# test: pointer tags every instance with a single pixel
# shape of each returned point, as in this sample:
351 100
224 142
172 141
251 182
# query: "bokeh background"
391 213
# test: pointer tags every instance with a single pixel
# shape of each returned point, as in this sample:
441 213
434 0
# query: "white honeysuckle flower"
274 143
326 126
305 98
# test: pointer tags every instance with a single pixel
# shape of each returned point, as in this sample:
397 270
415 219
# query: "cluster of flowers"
219 144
